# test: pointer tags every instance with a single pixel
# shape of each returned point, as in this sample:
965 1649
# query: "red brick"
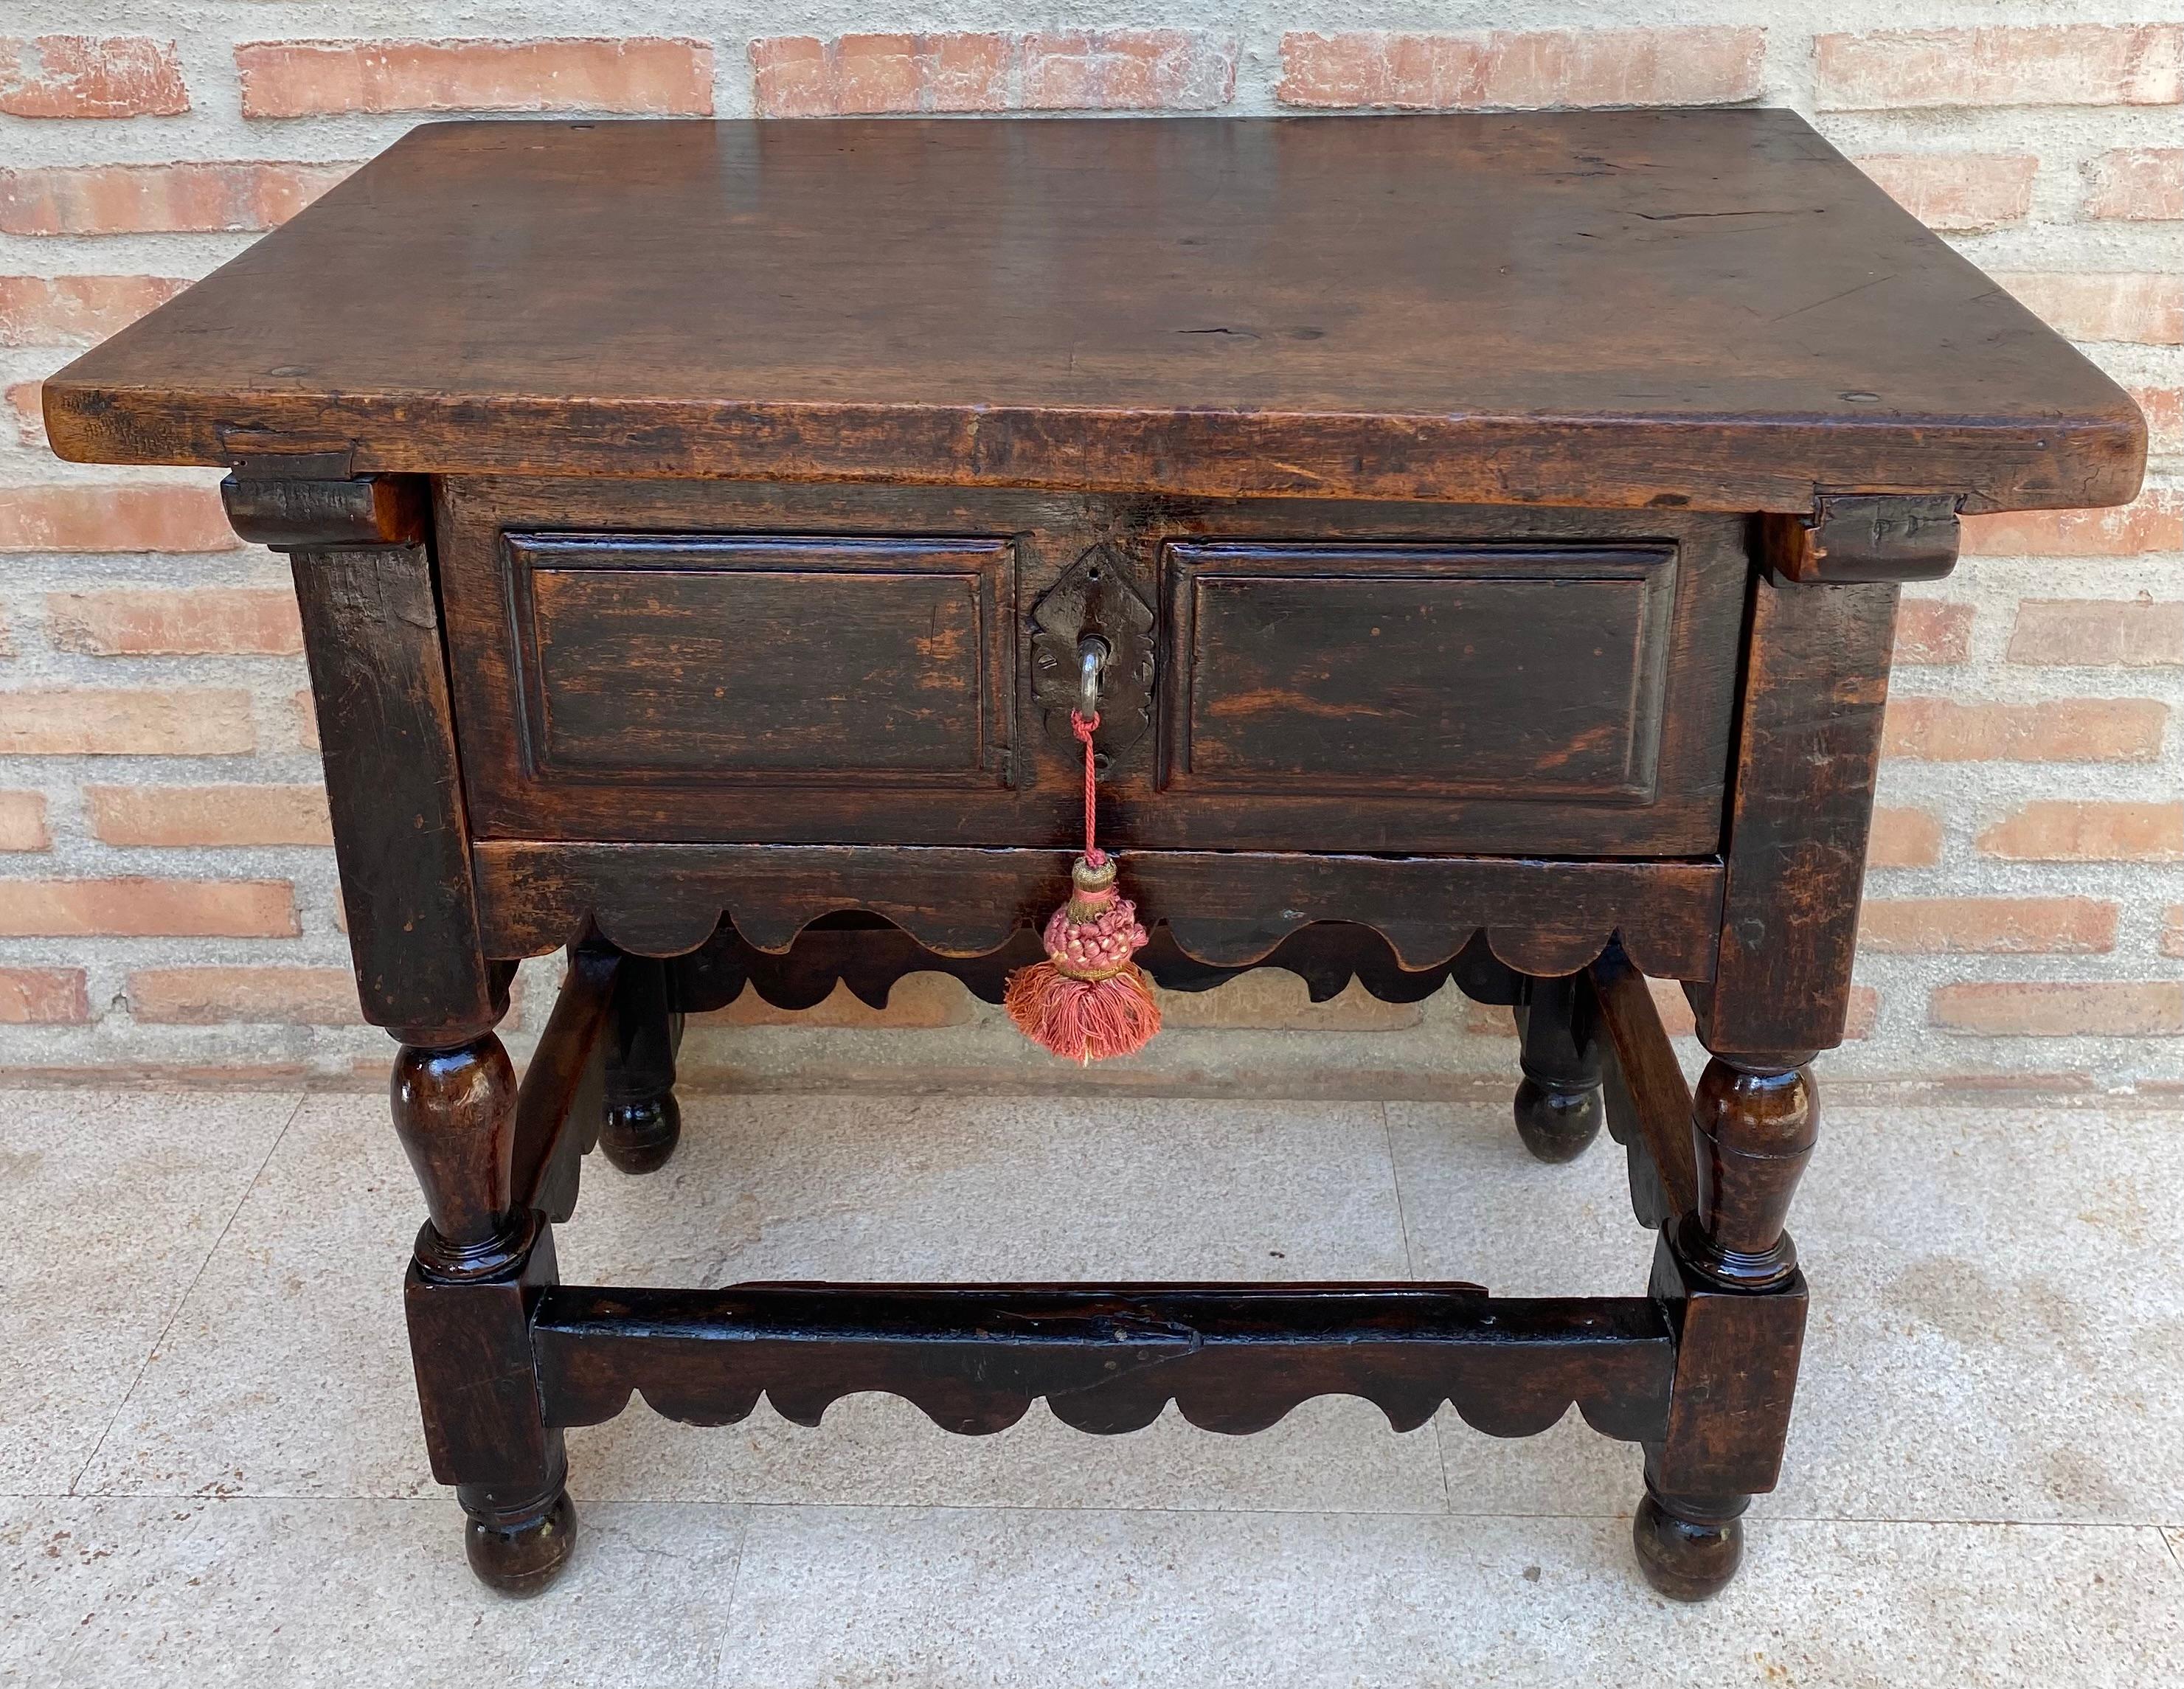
1095 70
2066 730
1933 631
1917 926
2137 184
118 199
22 821
644 77
215 996
2164 417
2071 65
198 720
1961 193
155 518
147 908
1904 839
2054 830
307 720
2172 930
2148 310
1499 68
43 996
86 76
1862 1014
24 407
192 622
76 311
2154 523
2041 1009
1127 70
2141 632
170 815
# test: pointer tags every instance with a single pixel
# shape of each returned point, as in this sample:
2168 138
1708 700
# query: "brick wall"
167 899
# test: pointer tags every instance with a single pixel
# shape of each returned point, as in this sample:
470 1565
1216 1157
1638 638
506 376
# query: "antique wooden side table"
1484 535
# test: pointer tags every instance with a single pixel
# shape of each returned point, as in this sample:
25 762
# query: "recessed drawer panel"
1480 670
712 658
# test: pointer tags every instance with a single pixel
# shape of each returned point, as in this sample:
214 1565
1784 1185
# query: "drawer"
711 663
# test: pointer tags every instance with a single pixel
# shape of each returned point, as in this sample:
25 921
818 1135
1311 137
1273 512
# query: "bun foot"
1557 1125
520 1557
1692 1552
638 1137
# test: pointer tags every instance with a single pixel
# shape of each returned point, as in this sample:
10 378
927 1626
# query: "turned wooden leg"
1735 1299
1558 1104
479 1265
642 1122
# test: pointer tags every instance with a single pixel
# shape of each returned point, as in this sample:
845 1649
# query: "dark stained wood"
455 1113
372 632
1226 908
706 756
1558 1108
1708 308
642 1121
286 504
679 656
1753 1131
1816 684
1855 537
1648 1102
563 1078
1484 671
1109 1358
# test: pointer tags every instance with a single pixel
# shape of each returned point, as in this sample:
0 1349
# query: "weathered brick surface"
2098 305
193 621
2043 1009
121 199
1904 839
2059 830
76 518
198 720
1511 68
2038 64
77 310
180 816
43 996
2154 523
2032 804
1933 631
2141 632
74 75
2067 730
1961 193
2137 184
2003 925
1148 69
149 908
215 996
654 78
22 821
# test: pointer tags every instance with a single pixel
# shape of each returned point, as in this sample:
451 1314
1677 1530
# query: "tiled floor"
210 1471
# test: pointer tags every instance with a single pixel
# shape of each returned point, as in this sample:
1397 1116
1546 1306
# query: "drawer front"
725 660
1484 671
715 662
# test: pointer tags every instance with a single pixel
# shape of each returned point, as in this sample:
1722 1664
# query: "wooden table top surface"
1706 310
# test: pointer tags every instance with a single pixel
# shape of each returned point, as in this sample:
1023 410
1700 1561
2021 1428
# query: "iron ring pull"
1092 654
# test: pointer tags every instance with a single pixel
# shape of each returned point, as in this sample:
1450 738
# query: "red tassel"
1088 1001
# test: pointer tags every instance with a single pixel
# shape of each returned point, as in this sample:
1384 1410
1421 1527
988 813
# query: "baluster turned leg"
1730 1279
642 1122
1558 1105
478 1266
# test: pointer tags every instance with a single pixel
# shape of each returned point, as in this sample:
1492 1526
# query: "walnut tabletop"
1703 310
1426 551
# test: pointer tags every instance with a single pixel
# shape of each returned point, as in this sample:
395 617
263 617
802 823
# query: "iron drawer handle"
1092 654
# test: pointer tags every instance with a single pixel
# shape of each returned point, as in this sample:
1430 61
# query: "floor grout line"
1411 1262
151 1353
